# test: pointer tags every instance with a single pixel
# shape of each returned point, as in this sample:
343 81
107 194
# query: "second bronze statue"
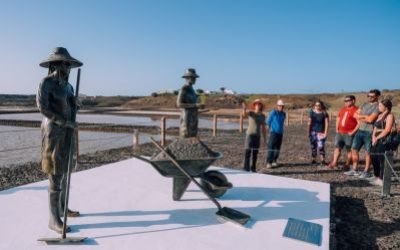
188 102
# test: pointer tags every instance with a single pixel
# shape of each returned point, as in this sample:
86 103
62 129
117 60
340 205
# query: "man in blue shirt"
276 123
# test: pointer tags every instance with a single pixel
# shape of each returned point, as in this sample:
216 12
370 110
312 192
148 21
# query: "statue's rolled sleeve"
43 103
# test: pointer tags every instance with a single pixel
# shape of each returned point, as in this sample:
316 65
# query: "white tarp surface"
128 205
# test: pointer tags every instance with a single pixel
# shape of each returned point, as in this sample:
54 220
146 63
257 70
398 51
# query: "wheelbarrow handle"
186 173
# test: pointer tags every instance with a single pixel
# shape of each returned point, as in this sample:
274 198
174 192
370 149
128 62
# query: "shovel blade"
232 215
67 240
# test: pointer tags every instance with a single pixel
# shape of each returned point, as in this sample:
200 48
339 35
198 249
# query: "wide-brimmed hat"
280 103
61 54
256 101
190 73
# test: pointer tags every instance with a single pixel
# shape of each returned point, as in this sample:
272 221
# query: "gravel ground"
360 217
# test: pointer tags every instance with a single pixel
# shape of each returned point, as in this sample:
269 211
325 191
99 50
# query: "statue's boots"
55 222
70 213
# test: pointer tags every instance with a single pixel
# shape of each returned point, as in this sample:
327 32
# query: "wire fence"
389 162
263 150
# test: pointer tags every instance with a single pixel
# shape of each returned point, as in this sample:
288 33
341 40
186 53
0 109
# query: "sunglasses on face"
347 100
371 96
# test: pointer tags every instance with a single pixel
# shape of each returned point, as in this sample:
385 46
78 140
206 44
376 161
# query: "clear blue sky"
138 47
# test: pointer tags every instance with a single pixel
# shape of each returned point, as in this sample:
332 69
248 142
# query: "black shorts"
343 140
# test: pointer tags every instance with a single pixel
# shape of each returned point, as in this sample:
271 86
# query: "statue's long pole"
70 159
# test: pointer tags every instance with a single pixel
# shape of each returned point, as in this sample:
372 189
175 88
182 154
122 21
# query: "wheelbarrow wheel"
218 179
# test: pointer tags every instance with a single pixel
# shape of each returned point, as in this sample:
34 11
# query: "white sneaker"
352 172
269 165
372 180
365 175
274 164
377 182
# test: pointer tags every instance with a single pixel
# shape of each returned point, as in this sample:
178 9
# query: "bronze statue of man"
188 103
56 102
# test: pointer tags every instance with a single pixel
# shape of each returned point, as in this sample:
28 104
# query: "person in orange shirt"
346 127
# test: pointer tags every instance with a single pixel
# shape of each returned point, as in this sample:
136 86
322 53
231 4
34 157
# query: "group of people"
369 125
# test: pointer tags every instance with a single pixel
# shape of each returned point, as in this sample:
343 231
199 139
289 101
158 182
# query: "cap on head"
61 54
190 73
280 103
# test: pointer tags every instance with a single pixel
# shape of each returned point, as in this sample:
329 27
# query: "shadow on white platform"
128 205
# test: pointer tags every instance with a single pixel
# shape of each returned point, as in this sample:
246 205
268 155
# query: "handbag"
392 140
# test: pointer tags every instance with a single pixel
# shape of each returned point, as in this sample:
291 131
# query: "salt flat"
20 144
128 205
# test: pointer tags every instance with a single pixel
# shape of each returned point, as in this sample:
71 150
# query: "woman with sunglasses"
382 128
318 123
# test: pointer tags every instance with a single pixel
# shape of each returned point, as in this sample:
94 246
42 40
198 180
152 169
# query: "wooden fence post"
215 118
287 118
241 123
135 139
162 136
387 174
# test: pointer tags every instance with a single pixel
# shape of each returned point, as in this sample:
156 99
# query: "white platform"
128 205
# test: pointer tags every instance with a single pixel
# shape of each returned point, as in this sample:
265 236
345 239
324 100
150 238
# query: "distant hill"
334 101
87 101
293 101
169 101
17 100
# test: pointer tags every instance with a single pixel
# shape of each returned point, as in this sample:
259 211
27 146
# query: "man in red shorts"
346 127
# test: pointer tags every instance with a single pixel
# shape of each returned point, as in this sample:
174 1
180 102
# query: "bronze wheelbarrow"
214 182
